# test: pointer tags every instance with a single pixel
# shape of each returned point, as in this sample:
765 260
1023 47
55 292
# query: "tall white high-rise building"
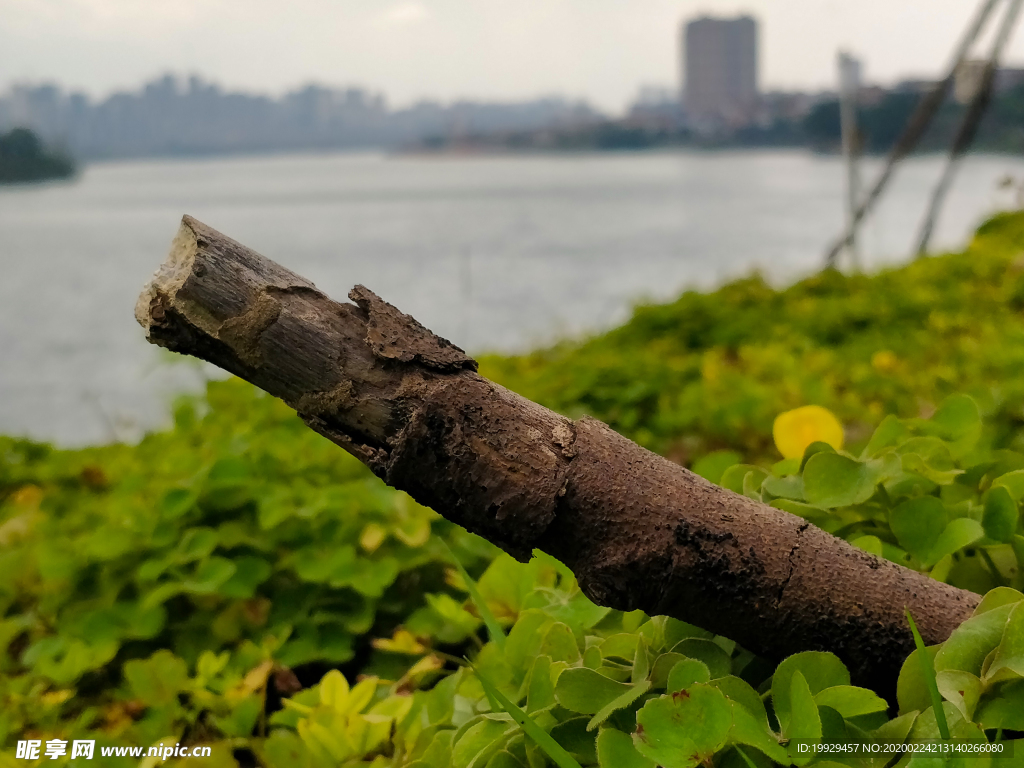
719 61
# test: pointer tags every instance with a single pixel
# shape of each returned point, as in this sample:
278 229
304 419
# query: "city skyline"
602 51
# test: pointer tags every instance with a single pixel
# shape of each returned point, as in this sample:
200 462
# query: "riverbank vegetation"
881 120
238 581
23 158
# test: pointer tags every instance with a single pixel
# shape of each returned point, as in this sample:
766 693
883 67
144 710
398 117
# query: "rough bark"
637 530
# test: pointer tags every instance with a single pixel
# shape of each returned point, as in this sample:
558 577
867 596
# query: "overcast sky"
601 50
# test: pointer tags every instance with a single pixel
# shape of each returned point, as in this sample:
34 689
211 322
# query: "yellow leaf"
795 430
360 695
53 698
27 496
402 642
372 537
254 680
334 690
884 361
418 672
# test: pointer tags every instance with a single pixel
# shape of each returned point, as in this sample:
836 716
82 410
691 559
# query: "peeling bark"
637 530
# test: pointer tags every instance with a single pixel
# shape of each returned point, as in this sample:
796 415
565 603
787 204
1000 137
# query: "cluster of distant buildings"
720 98
720 93
176 116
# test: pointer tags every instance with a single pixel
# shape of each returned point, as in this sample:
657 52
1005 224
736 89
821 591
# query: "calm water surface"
494 253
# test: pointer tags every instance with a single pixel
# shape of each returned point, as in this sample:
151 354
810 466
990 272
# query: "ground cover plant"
713 370
238 581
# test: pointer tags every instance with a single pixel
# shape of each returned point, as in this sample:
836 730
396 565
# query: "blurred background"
509 177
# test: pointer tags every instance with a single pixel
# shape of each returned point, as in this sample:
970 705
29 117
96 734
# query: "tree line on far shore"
23 158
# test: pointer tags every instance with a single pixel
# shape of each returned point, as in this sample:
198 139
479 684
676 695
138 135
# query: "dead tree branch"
637 530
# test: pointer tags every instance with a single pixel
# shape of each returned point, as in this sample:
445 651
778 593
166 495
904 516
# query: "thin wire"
968 127
914 130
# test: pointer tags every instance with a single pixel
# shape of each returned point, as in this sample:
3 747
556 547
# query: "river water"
495 253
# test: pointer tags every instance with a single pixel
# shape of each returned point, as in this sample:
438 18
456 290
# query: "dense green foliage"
239 581
882 122
23 158
882 118
241 530
929 494
712 370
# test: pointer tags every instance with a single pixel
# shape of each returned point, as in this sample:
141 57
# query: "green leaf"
195 544
541 738
63 661
210 575
683 729
369 577
820 670
790 487
621 646
541 691
228 486
930 458
928 673
786 467
575 736
888 434
456 622
158 679
560 644
525 637
961 689
997 598
686 673
803 721
740 692
176 502
798 508
713 465
958 420
917 525
926 726
813 449
615 750
481 740
1005 710
748 729
717 661
585 691
641 661
752 483
503 759
911 688
735 478
833 480
959 533
243 717
249 573
635 691
896 730
870 544
1013 482
1001 515
850 701
1009 654
506 581
323 564
663 666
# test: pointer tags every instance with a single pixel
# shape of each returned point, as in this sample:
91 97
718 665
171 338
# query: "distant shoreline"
24 160
498 152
